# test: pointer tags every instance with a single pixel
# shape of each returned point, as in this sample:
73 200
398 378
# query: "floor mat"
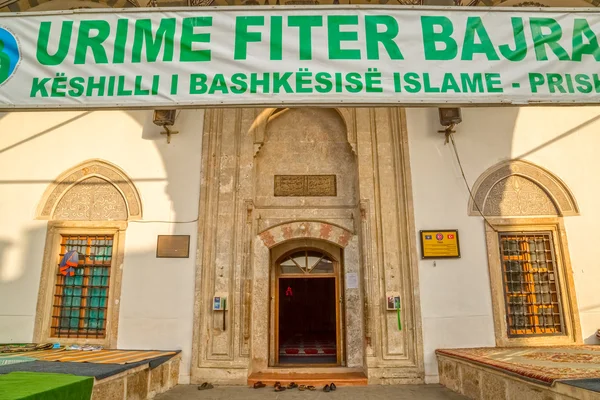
544 364
299 346
99 356
98 371
588 384
14 360
42 386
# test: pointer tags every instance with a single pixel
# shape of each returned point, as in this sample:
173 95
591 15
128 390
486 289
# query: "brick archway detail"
305 229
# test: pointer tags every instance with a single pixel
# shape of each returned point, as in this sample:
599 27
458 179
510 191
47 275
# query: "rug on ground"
545 364
307 347
98 356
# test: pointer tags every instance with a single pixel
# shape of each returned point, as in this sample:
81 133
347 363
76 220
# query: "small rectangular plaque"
351 280
305 185
440 244
173 246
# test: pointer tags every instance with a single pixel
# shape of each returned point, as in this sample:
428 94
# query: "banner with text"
275 56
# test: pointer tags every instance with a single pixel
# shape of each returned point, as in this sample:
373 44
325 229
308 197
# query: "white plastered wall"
455 294
157 294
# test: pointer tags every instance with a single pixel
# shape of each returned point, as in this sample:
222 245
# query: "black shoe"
327 388
332 386
279 388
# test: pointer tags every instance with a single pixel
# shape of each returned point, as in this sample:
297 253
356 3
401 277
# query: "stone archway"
305 229
520 188
369 215
261 299
92 190
259 126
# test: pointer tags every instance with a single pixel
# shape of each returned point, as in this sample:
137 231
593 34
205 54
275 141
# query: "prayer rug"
98 356
299 346
544 364
14 360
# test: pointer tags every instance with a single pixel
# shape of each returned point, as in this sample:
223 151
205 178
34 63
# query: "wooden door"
308 264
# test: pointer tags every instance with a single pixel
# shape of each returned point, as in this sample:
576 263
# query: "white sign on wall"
355 55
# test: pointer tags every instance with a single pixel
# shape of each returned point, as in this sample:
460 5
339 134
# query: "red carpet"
307 347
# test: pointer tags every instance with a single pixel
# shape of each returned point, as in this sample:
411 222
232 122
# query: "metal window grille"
81 301
531 287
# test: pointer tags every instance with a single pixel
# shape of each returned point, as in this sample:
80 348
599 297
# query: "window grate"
531 287
80 305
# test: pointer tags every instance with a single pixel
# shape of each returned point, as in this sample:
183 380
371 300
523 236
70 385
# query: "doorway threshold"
317 376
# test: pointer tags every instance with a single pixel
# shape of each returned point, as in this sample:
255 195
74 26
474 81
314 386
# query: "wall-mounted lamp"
449 118
166 119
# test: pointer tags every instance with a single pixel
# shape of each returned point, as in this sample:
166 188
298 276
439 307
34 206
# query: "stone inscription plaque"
305 185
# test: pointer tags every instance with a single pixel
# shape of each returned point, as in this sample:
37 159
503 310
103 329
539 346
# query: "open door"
307 312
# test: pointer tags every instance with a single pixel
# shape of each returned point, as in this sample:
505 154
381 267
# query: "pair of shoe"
205 386
302 388
279 388
329 388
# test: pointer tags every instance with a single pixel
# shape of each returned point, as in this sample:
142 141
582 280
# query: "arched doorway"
306 313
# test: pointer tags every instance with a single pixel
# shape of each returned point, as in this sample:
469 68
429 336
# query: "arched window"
88 208
306 262
530 272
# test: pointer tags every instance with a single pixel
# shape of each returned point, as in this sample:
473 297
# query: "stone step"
316 379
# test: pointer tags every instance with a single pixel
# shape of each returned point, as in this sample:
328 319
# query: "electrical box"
393 301
220 303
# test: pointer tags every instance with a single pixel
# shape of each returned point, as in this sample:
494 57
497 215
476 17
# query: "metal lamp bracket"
168 132
447 131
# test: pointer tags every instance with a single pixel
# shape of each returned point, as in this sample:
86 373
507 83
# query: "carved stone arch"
278 234
91 184
518 188
259 126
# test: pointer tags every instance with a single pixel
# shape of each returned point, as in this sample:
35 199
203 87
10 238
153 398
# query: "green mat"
45 386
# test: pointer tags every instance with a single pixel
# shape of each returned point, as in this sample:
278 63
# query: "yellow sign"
440 244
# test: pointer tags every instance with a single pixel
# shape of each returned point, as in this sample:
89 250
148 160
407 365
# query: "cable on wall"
451 136
166 222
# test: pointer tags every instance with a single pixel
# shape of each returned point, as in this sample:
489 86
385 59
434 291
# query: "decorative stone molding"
305 229
93 199
94 190
518 188
200 3
259 127
518 196
240 232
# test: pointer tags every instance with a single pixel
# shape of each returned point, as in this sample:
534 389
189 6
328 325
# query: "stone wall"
482 383
369 217
139 383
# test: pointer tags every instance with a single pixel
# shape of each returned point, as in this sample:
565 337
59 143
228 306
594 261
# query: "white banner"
355 55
